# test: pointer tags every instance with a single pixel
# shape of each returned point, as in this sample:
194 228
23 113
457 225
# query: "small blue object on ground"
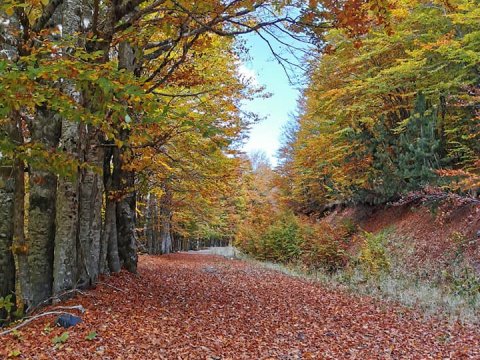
67 320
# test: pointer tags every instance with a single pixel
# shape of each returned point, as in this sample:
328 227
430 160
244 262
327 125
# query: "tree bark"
166 220
110 225
65 254
66 232
103 258
44 130
149 226
7 263
126 212
124 180
157 246
20 247
90 212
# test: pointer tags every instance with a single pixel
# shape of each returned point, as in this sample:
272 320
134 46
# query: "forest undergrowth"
401 259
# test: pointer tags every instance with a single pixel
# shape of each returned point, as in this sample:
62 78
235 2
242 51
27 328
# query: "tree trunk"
124 185
103 258
66 232
44 130
157 245
7 263
149 226
110 224
20 244
166 220
20 248
65 254
90 209
111 236
124 180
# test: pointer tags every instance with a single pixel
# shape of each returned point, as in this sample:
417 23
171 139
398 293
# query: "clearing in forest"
190 306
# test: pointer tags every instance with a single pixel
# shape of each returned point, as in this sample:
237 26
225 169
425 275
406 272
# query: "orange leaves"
462 179
357 17
186 306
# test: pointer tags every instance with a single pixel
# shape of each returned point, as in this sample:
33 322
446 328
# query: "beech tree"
87 87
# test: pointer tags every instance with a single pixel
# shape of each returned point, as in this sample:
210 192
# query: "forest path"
190 306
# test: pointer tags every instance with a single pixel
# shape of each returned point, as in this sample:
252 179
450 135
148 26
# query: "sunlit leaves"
353 88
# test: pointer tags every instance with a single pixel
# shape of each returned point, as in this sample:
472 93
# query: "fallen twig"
113 287
75 307
29 320
56 298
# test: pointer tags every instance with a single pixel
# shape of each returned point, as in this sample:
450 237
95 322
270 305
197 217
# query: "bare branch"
30 319
184 95
47 14
139 14
127 8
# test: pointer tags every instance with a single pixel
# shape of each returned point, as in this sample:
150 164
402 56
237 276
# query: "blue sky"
277 109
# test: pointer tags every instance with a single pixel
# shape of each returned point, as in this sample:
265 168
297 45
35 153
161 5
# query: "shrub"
464 282
373 258
278 238
283 239
6 306
325 247
349 226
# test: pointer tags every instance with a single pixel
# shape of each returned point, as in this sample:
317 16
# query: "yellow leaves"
400 13
118 143
10 10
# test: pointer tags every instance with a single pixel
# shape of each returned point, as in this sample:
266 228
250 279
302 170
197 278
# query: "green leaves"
92 335
14 353
62 339
360 136
6 303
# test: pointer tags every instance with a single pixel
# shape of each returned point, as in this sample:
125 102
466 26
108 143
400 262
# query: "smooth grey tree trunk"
166 220
66 234
149 226
124 180
20 247
90 213
7 263
111 237
103 258
157 246
65 263
109 233
44 130
20 244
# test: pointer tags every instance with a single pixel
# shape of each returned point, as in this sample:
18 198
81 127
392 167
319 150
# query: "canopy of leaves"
358 121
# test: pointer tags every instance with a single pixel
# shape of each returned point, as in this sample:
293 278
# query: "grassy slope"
433 251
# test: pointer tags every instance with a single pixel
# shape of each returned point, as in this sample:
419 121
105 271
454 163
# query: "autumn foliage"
122 123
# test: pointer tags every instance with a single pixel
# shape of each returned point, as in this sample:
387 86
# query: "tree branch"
48 313
127 8
47 14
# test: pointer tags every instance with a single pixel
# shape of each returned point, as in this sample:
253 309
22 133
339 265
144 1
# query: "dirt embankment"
436 229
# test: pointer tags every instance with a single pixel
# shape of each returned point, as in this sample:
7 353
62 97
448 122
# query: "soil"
436 231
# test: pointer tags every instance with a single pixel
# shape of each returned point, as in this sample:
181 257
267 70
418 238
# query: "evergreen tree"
419 146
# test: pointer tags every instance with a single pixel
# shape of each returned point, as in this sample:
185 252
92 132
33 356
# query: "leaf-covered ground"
186 306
